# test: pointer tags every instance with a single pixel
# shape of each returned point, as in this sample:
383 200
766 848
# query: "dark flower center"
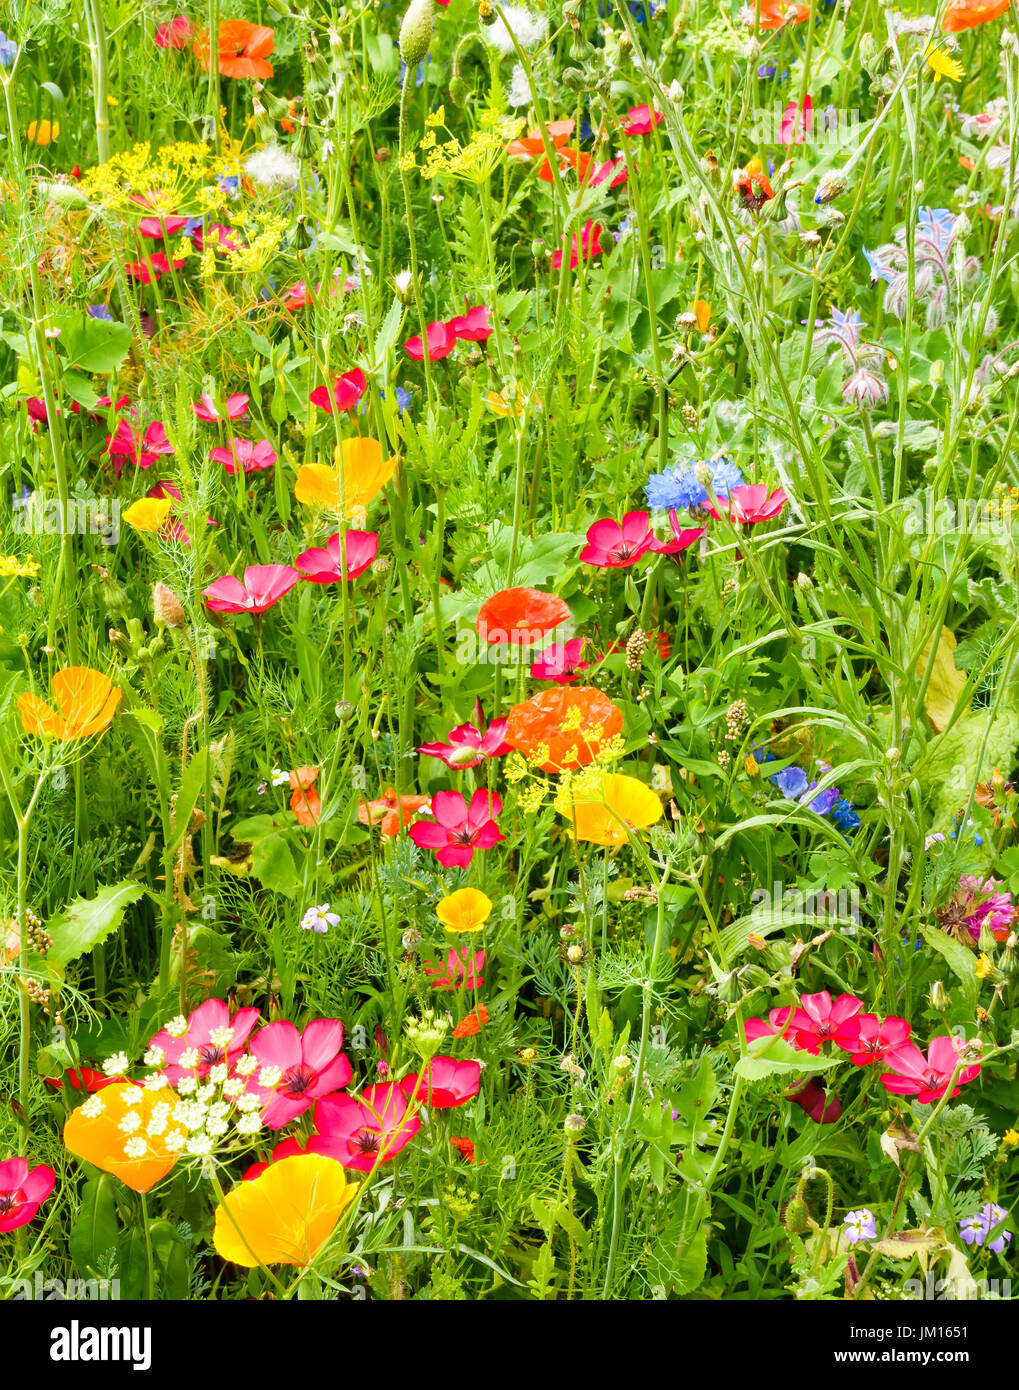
933 1080
210 1055
298 1080
369 1141
462 837
8 1200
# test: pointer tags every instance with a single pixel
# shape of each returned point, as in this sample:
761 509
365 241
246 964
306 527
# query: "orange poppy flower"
305 803
752 185
98 1132
532 144
391 812
967 14
286 1214
472 1024
86 700
607 815
519 616
775 13
356 478
242 49
562 721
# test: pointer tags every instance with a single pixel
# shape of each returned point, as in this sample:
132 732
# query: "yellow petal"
285 1215
617 806
465 910
946 682
149 513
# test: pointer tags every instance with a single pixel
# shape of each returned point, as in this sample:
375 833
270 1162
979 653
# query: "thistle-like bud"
832 185
302 142
575 80
939 997
416 32
166 607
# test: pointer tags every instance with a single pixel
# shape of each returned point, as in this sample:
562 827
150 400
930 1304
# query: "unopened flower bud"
416 32
166 607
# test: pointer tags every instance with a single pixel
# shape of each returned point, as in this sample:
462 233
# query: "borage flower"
458 829
311 1066
263 586
365 1132
22 1191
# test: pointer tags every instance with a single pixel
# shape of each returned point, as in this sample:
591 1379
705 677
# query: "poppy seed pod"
416 32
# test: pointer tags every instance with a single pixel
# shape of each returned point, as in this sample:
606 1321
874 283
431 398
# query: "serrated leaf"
88 922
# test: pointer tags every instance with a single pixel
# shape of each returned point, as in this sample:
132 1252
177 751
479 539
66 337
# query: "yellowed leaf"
946 681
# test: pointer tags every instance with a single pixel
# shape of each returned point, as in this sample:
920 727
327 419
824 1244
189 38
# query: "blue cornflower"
843 815
678 487
8 51
725 475
824 802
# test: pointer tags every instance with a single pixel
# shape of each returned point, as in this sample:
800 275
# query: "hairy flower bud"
416 32
166 607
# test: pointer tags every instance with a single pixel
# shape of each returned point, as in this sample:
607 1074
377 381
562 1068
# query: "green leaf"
273 863
388 333
170 1254
96 1229
93 345
774 1056
192 784
87 922
678 1260
960 958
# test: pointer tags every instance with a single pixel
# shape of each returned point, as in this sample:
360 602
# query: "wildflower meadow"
509 652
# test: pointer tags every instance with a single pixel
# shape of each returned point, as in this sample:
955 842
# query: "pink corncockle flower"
312 1066
796 121
468 746
584 247
473 327
142 449
22 1191
684 536
440 339
876 1038
175 33
617 544
155 268
442 1083
249 455
159 227
458 829
211 1034
927 1078
460 970
344 394
819 1020
236 407
812 1098
263 585
641 120
341 558
365 1132
751 503
995 911
561 662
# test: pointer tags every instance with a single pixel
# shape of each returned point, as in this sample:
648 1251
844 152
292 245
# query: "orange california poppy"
286 1214
564 720
532 144
86 700
355 479
305 803
471 1025
242 49
775 13
967 14
98 1133
520 616
391 812
607 814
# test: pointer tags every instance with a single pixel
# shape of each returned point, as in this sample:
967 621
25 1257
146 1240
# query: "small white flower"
247 1065
222 1037
93 1107
279 778
135 1148
270 1077
529 29
130 1122
189 1057
155 1057
114 1065
177 1027
218 1074
134 1096
175 1142
216 1128
187 1085
199 1146
249 1124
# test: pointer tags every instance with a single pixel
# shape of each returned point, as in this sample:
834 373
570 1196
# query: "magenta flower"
876 1038
468 746
685 536
818 1020
443 1083
341 558
311 1063
775 1025
22 1191
614 544
473 327
458 830
247 454
236 407
440 338
214 234
175 33
561 662
263 586
990 909
346 391
641 120
460 971
159 227
927 1078
796 121
141 449
811 1098
582 248
364 1132
751 503
211 1034
613 172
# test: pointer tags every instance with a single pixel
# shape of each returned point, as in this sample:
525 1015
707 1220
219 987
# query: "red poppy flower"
305 803
532 144
539 723
342 558
472 1023
83 1079
520 617
775 13
154 269
464 1147
967 14
443 1083
459 829
242 49
347 390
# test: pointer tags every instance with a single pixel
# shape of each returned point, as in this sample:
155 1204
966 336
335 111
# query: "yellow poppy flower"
42 132
465 910
86 701
615 807
98 1132
353 482
286 1214
149 513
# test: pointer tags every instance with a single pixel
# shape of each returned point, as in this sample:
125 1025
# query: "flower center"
298 1080
8 1201
210 1055
369 1141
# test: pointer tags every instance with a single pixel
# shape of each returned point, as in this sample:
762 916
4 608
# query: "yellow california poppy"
286 1214
465 910
42 132
356 478
149 513
122 1129
86 701
616 806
